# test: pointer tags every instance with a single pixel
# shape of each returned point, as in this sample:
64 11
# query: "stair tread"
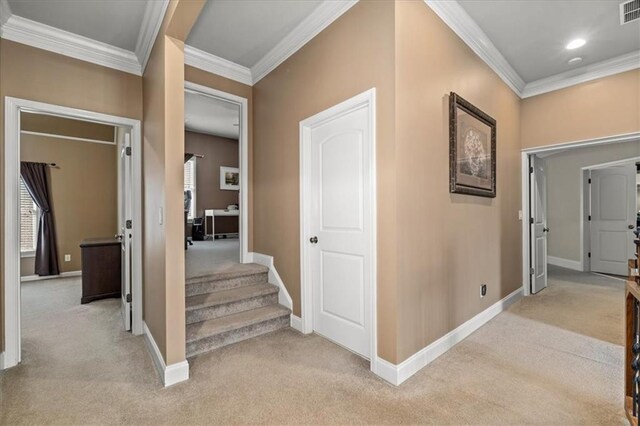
220 297
233 271
215 326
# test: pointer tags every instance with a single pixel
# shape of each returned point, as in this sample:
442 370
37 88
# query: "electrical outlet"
519 214
67 258
483 290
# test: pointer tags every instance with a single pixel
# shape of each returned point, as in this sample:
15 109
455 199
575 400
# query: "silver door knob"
545 229
631 227
313 240
118 237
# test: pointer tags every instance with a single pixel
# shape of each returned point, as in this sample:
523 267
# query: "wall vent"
629 11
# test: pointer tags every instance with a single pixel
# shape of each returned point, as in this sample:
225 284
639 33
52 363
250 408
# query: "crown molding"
42 36
318 20
216 65
5 12
466 28
606 68
151 22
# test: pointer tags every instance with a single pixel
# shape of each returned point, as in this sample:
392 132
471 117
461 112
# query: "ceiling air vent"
629 11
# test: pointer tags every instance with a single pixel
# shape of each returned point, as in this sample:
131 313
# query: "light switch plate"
67 258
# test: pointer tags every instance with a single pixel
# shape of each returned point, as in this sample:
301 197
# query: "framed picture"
230 178
472 149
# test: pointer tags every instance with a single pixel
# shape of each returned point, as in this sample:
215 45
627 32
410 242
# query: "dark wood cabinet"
101 269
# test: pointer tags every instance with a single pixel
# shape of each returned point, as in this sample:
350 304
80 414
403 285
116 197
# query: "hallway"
556 349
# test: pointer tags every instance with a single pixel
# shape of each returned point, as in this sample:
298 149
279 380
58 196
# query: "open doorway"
73 220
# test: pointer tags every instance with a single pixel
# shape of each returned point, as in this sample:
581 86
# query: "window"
29 215
190 183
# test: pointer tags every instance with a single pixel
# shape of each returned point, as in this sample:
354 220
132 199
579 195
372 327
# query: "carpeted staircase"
231 306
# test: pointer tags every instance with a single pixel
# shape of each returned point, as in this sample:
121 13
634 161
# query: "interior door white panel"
539 230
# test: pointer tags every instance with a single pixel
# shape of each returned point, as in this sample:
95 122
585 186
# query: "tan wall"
195 75
448 244
84 191
217 151
353 54
563 192
30 73
60 126
604 107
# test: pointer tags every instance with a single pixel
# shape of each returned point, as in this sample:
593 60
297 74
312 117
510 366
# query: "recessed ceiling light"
575 61
574 44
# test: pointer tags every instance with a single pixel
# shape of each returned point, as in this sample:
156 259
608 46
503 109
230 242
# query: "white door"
341 229
613 218
126 225
539 229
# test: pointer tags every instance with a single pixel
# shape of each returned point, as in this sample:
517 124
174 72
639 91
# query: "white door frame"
367 98
243 146
525 153
585 206
11 243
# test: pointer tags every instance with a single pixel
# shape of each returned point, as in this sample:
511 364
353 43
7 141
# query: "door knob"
631 227
313 240
545 229
118 236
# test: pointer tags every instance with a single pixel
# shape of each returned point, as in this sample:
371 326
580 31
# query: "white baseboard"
274 278
396 374
564 263
169 374
296 323
27 278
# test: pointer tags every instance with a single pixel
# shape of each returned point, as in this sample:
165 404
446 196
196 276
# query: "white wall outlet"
160 216
519 214
67 258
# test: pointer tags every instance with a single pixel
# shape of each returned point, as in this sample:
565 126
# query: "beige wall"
448 244
353 54
84 191
604 107
30 73
195 75
563 192
217 151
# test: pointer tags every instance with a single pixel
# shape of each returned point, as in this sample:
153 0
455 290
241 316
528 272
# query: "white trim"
28 278
296 323
169 374
216 65
71 138
45 37
397 374
368 99
5 12
274 278
323 15
525 189
623 162
580 75
564 263
2 366
11 240
466 28
151 22
243 146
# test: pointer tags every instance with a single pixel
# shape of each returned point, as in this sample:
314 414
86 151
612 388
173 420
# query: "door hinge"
531 220
532 271
589 255
127 151
129 298
589 217
589 181
530 169
128 224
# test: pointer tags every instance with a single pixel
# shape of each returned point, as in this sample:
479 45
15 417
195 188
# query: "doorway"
216 186
338 224
562 228
131 304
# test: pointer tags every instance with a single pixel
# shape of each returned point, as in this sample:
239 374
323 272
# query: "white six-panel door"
539 229
613 218
339 228
126 214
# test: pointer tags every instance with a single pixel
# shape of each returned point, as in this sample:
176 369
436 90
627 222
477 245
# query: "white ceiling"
245 31
204 114
531 35
115 22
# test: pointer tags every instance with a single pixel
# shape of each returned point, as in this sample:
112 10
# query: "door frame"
11 243
524 157
243 147
365 99
585 206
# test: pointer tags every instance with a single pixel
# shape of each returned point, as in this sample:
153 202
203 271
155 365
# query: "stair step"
220 303
215 333
238 276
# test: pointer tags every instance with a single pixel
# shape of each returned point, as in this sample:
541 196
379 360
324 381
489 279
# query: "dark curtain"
188 157
34 176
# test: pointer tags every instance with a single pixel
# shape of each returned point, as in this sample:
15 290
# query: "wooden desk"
101 269
212 214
